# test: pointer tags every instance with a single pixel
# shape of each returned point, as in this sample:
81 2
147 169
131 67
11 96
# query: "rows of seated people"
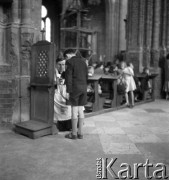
116 69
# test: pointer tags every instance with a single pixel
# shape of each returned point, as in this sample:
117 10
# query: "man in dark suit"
76 83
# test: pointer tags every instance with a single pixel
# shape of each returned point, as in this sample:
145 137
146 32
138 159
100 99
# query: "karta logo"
106 166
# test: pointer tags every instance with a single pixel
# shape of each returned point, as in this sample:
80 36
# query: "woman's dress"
128 75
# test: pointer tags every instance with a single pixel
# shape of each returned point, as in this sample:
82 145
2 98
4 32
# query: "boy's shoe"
79 136
70 136
131 106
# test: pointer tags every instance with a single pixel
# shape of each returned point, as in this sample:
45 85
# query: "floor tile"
144 138
119 148
154 110
116 138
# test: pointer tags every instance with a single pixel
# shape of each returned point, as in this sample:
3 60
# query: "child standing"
145 82
130 84
166 85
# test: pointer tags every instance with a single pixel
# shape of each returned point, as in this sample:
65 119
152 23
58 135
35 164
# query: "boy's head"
146 70
113 68
69 53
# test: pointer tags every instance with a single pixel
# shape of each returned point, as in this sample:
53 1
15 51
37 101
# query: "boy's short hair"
68 51
145 68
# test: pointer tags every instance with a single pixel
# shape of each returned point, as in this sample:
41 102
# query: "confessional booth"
41 92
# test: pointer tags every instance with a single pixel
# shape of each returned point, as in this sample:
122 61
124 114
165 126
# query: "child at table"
145 82
128 74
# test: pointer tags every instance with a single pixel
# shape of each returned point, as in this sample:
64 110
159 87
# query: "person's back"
76 81
79 74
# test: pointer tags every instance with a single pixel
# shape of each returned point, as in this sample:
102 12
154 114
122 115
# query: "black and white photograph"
84 89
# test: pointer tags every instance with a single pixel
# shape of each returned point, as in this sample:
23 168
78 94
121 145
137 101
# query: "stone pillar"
108 29
133 36
112 28
21 110
2 37
164 27
15 12
148 32
155 51
25 11
155 34
123 21
167 30
141 32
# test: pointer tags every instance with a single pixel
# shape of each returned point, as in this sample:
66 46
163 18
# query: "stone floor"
130 135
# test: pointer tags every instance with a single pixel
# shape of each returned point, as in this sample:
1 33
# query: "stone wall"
21 28
147 36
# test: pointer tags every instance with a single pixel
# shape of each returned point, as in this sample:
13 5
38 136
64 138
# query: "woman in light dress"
128 75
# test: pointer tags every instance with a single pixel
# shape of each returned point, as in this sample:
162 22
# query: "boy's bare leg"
81 121
132 98
127 98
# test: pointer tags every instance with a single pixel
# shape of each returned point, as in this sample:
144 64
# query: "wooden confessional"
42 92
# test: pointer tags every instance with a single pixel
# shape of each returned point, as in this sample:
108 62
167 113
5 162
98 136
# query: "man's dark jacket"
76 75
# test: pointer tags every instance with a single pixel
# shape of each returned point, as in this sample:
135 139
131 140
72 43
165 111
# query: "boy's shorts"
78 99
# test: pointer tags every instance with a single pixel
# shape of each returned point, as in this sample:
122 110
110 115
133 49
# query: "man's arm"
68 76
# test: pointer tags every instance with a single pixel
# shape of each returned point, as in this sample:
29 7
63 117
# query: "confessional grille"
42 64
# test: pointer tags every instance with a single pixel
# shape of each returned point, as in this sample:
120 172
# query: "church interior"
119 142
98 30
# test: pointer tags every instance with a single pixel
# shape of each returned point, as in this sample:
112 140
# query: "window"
45 24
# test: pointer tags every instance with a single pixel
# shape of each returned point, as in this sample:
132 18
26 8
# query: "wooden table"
95 81
113 81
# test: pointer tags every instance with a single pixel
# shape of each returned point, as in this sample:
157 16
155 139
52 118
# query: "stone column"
167 30
2 40
164 27
133 37
108 29
123 25
15 12
112 26
22 103
141 33
155 33
148 32
155 51
25 12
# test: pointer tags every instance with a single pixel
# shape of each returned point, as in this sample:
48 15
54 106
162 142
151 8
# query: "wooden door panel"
40 104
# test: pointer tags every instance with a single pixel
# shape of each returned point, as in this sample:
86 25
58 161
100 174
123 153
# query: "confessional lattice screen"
42 64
